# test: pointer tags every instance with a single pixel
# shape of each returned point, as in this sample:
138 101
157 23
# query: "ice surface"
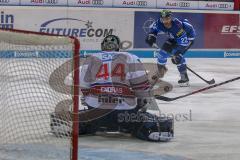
211 131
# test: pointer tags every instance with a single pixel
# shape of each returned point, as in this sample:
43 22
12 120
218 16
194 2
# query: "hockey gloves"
151 39
176 59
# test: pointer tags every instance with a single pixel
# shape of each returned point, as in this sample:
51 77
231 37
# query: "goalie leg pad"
154 128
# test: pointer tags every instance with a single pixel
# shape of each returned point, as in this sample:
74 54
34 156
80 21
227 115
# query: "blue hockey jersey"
181 31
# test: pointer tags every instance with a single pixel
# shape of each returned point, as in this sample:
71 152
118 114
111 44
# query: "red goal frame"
76 81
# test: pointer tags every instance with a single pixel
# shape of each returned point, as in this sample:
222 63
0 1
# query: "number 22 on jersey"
118 71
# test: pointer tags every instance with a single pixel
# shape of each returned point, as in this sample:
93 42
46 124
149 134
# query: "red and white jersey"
113 80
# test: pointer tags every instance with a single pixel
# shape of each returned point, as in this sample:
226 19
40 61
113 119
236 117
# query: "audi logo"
141 3
97 2
222 5
51 1
184 4
4 1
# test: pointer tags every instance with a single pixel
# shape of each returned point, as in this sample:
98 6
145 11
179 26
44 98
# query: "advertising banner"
6 19
44 2
90 26
222 31
178 4
9 2
175 4
211 5
135 3
143 20
218 34
90 3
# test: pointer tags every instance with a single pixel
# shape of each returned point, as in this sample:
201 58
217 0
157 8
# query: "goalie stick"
163 98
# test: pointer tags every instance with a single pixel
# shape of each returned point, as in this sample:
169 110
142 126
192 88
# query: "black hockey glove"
176 59
150 39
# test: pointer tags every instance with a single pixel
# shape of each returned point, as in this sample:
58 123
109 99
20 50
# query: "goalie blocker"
116 92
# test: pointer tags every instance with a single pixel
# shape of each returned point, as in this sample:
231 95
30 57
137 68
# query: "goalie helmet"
110 43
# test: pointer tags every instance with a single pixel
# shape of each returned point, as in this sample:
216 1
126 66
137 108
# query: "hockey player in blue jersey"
181 37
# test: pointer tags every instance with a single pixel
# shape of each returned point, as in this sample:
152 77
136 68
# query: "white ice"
212 133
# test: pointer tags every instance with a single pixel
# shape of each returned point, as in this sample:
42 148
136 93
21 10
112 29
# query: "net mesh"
33 71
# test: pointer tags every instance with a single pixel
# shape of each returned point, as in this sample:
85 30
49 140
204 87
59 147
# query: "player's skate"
184 81
166 130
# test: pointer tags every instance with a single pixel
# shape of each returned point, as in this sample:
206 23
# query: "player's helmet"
110 43
165 13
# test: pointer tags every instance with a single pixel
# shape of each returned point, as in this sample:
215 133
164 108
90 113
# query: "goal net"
33 71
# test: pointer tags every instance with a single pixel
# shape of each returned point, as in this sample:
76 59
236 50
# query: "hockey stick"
212 81
208 82
194 92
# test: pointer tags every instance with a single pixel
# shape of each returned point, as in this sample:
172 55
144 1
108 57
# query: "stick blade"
211 82
163 98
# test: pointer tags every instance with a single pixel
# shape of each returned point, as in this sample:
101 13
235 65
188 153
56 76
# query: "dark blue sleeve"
154 28
191 34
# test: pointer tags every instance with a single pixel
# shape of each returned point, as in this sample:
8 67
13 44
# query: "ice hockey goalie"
116 91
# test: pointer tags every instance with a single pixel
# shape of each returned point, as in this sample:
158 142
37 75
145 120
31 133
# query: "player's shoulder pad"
186 23
94 56
130 57
177 22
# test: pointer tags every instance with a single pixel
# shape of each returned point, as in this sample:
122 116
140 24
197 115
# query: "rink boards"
218 32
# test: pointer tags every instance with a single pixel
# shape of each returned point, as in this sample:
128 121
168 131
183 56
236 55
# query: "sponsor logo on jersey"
231 29
4 1
44 1
6 20
112 90
179 33
78 28
136 3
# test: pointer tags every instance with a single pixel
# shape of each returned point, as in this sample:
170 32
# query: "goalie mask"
110 43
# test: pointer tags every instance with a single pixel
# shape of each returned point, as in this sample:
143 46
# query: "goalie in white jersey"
115 89
114 80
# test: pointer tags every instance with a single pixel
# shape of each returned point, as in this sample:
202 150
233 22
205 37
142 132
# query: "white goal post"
33 69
